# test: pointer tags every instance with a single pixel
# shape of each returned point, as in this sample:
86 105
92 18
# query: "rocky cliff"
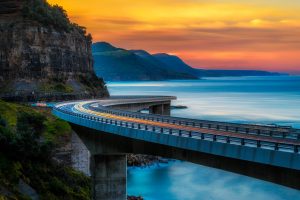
43 55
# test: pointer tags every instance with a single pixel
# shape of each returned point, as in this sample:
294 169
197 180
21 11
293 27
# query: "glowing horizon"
215 34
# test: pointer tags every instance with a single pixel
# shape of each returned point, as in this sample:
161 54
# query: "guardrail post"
170 131
190 133
242 141
161 130
258 143
146 127
296 150
153 128
202 136
180 132
276 147
227 140
139 126
258 131
214 138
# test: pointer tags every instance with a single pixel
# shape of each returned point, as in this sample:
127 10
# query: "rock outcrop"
40 60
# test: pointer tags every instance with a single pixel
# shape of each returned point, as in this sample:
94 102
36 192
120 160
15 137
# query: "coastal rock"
134 198
138 160
43 61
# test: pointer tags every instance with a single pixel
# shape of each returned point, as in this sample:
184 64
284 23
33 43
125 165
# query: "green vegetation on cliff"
28 138
50 15
44 56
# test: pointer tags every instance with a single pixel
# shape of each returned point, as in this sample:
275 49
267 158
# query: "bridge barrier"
264 130
278 154
279 146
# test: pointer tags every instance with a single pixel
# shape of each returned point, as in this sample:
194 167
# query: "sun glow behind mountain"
227 34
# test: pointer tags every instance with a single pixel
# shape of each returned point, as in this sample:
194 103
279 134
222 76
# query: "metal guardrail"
263 130
279 146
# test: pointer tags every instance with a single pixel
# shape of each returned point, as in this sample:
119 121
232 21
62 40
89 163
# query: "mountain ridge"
114 63
118 64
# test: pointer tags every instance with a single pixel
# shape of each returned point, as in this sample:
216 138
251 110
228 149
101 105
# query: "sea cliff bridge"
111 128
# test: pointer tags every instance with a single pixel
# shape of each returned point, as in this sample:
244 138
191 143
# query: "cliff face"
42 61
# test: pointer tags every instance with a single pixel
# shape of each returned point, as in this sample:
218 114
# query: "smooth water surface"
258 100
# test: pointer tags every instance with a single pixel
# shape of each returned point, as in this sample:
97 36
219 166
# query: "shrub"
48 15
26 155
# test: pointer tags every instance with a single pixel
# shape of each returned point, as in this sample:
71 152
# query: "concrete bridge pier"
161 109
109 174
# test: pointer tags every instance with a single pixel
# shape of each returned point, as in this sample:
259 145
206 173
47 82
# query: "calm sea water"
260 100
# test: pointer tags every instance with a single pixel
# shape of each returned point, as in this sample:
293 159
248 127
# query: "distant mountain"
113 64
222 73
116 64
103 47
175 63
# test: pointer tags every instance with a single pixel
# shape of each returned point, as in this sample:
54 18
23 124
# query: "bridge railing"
264 130
277 146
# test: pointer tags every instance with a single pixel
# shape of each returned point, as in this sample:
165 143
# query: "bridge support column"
109 173
162 109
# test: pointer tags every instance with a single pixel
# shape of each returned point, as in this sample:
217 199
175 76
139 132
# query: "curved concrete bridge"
111 128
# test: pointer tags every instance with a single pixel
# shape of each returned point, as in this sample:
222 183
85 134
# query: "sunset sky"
215 34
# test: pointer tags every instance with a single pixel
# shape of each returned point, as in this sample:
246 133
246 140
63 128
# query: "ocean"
259 100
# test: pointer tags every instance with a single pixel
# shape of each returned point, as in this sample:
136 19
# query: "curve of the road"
89 108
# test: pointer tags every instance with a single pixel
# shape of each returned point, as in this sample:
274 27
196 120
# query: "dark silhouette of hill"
117 64
113 63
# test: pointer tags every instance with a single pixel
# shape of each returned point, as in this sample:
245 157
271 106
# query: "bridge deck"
273 138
